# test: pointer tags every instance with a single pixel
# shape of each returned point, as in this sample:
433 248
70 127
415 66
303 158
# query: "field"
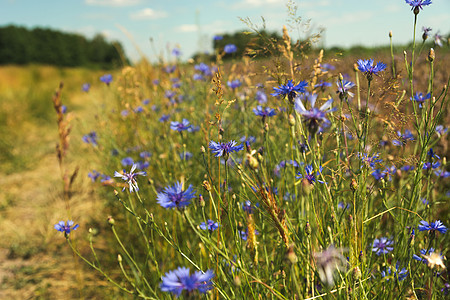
272 193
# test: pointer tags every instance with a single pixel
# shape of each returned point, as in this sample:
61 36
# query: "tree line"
19 45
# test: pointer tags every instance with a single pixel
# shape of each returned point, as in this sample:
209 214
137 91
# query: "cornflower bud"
431 55
390 33
201 201
206 185
111 221
308 229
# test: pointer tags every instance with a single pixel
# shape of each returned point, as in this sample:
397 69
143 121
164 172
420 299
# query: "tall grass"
322 199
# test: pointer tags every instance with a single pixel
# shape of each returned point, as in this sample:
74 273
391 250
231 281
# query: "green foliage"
19 45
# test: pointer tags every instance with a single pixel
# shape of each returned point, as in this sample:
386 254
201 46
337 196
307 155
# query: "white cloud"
148 14
187 28
112 2
251 4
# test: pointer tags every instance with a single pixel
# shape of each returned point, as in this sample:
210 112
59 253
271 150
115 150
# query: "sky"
152 28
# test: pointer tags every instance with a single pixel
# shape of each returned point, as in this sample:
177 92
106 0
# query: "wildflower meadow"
294 175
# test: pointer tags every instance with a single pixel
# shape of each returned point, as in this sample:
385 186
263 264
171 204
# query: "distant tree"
19 45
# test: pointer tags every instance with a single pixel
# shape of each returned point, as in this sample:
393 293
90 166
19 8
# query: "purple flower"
130 178
442 173
370 161
174 196
399 274
382 246
127 161
224 149
343 88
94 175
90 138
441 130
407 136
107 78
423 252
180 126
438 39
170 69
244 234
366 66
261 97
210 225
186 155
290 90
433 226
426 31
309 174
66 228
230 48
313 117
266 112
420 98
417 4
176 52
322 84
85 87
164 118
176 281
248 207
234 83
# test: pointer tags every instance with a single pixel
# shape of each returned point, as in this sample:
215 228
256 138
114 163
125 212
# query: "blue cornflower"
423 252
164 118
61 226
313 117
145 154
438 39
366 66
218 38
230 48
176 52
130 178
180 126
327 67
85 87
63 109
244 234
429 165
186 155
224 149
170 69
442 173
432 155
379 174
204 68
210 225
248 207
127 161
417 4
141 165
266 112
107 78
420 98
174 196
433 226
251 139
146 101
261 97
400 274
322 84
382 246
198 77
94 175
90 138
370 161
290 90
234 83
441 130
407 136
176 281
426 31
343 87
309 174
